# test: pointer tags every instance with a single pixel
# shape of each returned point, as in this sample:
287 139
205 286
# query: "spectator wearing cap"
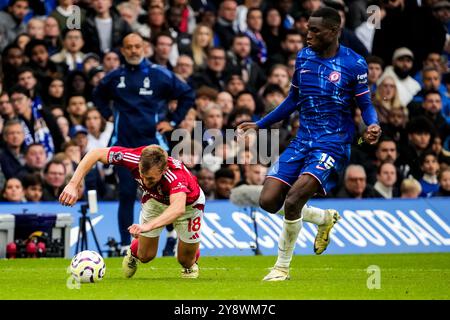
71 54
12 21
95 75
215 74
39 125
104 28
64 11
90 61
79 135
420 138
402 64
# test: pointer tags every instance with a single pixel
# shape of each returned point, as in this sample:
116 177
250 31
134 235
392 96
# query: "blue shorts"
323 163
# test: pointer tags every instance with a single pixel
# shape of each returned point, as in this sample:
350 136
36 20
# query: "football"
87 266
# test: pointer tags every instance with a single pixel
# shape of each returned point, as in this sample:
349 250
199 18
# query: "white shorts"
187 226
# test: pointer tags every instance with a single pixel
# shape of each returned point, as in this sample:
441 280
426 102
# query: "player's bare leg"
187 257
273 195
143 249
302 190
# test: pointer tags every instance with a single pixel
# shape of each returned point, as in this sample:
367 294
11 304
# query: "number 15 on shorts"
328 161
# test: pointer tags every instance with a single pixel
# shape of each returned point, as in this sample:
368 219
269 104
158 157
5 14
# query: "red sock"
197 255
134 247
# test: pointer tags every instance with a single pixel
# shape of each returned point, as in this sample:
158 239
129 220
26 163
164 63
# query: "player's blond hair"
153 156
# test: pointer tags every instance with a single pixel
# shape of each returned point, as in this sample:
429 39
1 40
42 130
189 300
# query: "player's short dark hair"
376 60
385 138
224 173
13 2
210 50
330 16
19 89
31 179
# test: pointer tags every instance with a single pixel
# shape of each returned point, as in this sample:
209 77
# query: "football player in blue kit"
327 78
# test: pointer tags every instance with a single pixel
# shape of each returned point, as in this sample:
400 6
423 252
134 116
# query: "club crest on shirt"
115 156
122 83
145 90
334 76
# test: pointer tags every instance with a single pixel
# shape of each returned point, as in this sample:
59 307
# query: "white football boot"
190 273
277 274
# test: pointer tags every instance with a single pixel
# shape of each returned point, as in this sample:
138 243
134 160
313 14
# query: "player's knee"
269 205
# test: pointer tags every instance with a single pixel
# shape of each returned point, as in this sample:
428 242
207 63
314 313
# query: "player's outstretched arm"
69 196
281 112
175 210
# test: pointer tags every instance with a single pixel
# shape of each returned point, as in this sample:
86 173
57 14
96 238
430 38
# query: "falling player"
327 78
171 195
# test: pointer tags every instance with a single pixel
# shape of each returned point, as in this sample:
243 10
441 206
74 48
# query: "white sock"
313 215
286 243
310 214
172 234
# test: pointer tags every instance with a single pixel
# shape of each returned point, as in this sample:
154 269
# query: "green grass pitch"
403 276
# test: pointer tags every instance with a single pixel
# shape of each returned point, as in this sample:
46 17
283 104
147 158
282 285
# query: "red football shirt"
176 178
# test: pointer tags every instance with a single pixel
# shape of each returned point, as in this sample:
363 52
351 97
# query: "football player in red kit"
171 194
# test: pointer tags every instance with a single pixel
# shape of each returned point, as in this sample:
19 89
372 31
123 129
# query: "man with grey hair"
355 184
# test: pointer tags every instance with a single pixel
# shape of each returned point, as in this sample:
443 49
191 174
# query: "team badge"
122 83
115 157
146 83
334 76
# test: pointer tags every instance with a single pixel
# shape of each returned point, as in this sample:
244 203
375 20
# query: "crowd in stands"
239 56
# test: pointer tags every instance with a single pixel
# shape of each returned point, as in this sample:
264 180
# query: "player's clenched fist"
69 196
372 134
